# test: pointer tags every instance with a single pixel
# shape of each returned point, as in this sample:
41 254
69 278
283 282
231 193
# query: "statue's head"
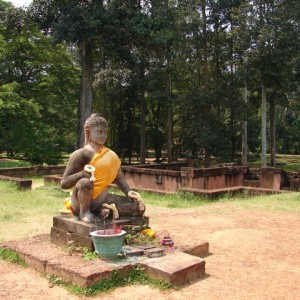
94 121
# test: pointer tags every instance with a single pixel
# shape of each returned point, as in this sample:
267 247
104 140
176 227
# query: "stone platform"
68 231
55 254
41 254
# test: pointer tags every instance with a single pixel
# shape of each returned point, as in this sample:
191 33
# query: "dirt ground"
253 255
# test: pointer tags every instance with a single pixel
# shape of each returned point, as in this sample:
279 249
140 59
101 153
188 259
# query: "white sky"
19 3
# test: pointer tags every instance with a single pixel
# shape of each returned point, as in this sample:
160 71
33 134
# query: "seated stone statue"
91 170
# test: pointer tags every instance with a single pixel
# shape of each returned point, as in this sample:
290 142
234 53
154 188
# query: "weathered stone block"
52 179
177 268
154 252
201 249
66 239
295 184
20 182
71 224
132 251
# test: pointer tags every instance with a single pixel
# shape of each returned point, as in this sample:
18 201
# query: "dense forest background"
208 79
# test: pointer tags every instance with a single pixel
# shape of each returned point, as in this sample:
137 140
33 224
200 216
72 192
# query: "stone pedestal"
67 231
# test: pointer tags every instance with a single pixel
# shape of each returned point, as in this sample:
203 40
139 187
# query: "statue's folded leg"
125 206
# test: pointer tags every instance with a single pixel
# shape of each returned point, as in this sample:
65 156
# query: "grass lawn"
13 163
287 162
29 212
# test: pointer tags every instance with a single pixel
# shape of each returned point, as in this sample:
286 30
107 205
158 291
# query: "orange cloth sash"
107 164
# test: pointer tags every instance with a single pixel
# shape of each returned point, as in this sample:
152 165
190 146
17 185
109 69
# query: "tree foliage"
38 87
159 71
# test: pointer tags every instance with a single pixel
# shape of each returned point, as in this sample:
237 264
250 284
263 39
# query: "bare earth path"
254 255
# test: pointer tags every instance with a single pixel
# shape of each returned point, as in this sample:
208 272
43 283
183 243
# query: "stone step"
177 268
39 253
20 182
45 257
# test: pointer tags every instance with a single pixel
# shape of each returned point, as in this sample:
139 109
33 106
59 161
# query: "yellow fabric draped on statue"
107 164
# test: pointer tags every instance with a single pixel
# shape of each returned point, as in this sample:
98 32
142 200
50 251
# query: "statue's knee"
85 184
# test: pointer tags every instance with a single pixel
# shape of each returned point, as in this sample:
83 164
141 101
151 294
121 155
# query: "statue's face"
98 135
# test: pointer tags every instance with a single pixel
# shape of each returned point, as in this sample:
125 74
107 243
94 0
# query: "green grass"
11 256
26 213
291 167
284 203
13 163
287 162
135 276
179 200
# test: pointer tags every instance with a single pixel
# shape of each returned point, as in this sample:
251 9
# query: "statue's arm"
124 187
75 170
122 183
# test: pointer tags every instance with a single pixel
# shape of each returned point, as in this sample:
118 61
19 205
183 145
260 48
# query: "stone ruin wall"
169 178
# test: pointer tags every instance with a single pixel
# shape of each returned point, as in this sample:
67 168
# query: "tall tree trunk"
233 139
143 115
245 133
205 50
111 115
170 117
170 132
104 87
263 126
86 90
232 111
273 132
205 76
105 104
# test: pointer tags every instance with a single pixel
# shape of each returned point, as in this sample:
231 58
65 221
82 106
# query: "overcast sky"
19 3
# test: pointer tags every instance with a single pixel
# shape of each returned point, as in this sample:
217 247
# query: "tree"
267 33
181 65
138 48
37 90
80 23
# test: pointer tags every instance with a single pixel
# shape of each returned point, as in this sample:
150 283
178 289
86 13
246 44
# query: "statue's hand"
134 195
137 198
90 169
86 174
113 208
